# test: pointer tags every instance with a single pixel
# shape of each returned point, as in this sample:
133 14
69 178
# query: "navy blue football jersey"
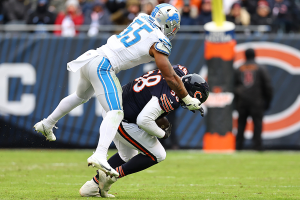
138 93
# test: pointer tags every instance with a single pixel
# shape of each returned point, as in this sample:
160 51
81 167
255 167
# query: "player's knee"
86 100
115 116
162 156
118 113
82 98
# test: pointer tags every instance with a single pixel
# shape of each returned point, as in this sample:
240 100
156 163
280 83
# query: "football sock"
115 161
96 178
108 130
135 164
64 107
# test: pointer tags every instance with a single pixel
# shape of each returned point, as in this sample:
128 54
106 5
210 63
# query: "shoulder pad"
164 46
142 15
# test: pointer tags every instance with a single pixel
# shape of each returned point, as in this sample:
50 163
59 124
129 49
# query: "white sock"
64 107
108 130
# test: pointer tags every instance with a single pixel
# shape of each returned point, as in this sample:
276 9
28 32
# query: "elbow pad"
163 46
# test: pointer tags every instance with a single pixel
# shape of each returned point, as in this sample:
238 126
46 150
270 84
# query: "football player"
146 39
146 100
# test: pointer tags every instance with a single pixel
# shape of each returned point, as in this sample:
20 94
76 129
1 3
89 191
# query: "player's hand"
201 111
192 103
167 132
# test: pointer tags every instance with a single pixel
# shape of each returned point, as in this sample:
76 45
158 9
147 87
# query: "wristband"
187 99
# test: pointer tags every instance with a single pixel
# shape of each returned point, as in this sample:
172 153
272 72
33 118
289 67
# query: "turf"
58 174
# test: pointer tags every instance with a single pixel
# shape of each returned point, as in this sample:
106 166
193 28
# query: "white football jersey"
131 47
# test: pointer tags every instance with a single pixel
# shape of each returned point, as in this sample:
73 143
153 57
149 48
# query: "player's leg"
257 118
129 140
90 188
124 154
242 121
83 93
152 152
108 91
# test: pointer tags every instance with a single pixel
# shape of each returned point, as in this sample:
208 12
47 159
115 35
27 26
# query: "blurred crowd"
280 15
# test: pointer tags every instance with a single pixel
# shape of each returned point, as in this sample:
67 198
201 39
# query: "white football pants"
98 77
130 140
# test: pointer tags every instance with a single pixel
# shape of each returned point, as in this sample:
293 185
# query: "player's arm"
168 72
171 77
146 118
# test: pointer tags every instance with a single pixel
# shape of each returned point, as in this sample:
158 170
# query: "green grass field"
58 174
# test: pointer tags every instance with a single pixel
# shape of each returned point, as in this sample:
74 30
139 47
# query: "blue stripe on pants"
110 89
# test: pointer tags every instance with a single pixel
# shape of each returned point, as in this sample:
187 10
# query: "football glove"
201 111
167 132
191 103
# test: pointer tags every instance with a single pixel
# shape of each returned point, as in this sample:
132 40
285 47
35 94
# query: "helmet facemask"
174 29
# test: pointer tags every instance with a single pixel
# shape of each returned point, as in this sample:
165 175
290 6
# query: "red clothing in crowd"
77 20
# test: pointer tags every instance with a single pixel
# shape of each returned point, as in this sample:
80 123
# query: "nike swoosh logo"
44 130
105 168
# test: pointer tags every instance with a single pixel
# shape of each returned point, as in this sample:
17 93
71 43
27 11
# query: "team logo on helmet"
196 93
175 17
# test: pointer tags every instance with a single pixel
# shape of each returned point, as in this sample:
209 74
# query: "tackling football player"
146 39
146 101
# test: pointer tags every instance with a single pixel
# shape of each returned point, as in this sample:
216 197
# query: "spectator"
86 6
16 11
227 5
194 6
41 15
115 5
186 16
125 16
147 8
1 13
253 94
249 5
97 17
69 19
262 15
205 13
238 15
57 6
164 1
285 15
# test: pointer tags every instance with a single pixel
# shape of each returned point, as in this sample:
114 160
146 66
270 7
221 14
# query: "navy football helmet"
196 86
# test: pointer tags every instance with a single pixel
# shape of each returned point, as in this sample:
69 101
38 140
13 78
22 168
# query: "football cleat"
89 189
45 129
102 164
105 183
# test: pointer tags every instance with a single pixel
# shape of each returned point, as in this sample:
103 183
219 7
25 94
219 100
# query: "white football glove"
192 103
